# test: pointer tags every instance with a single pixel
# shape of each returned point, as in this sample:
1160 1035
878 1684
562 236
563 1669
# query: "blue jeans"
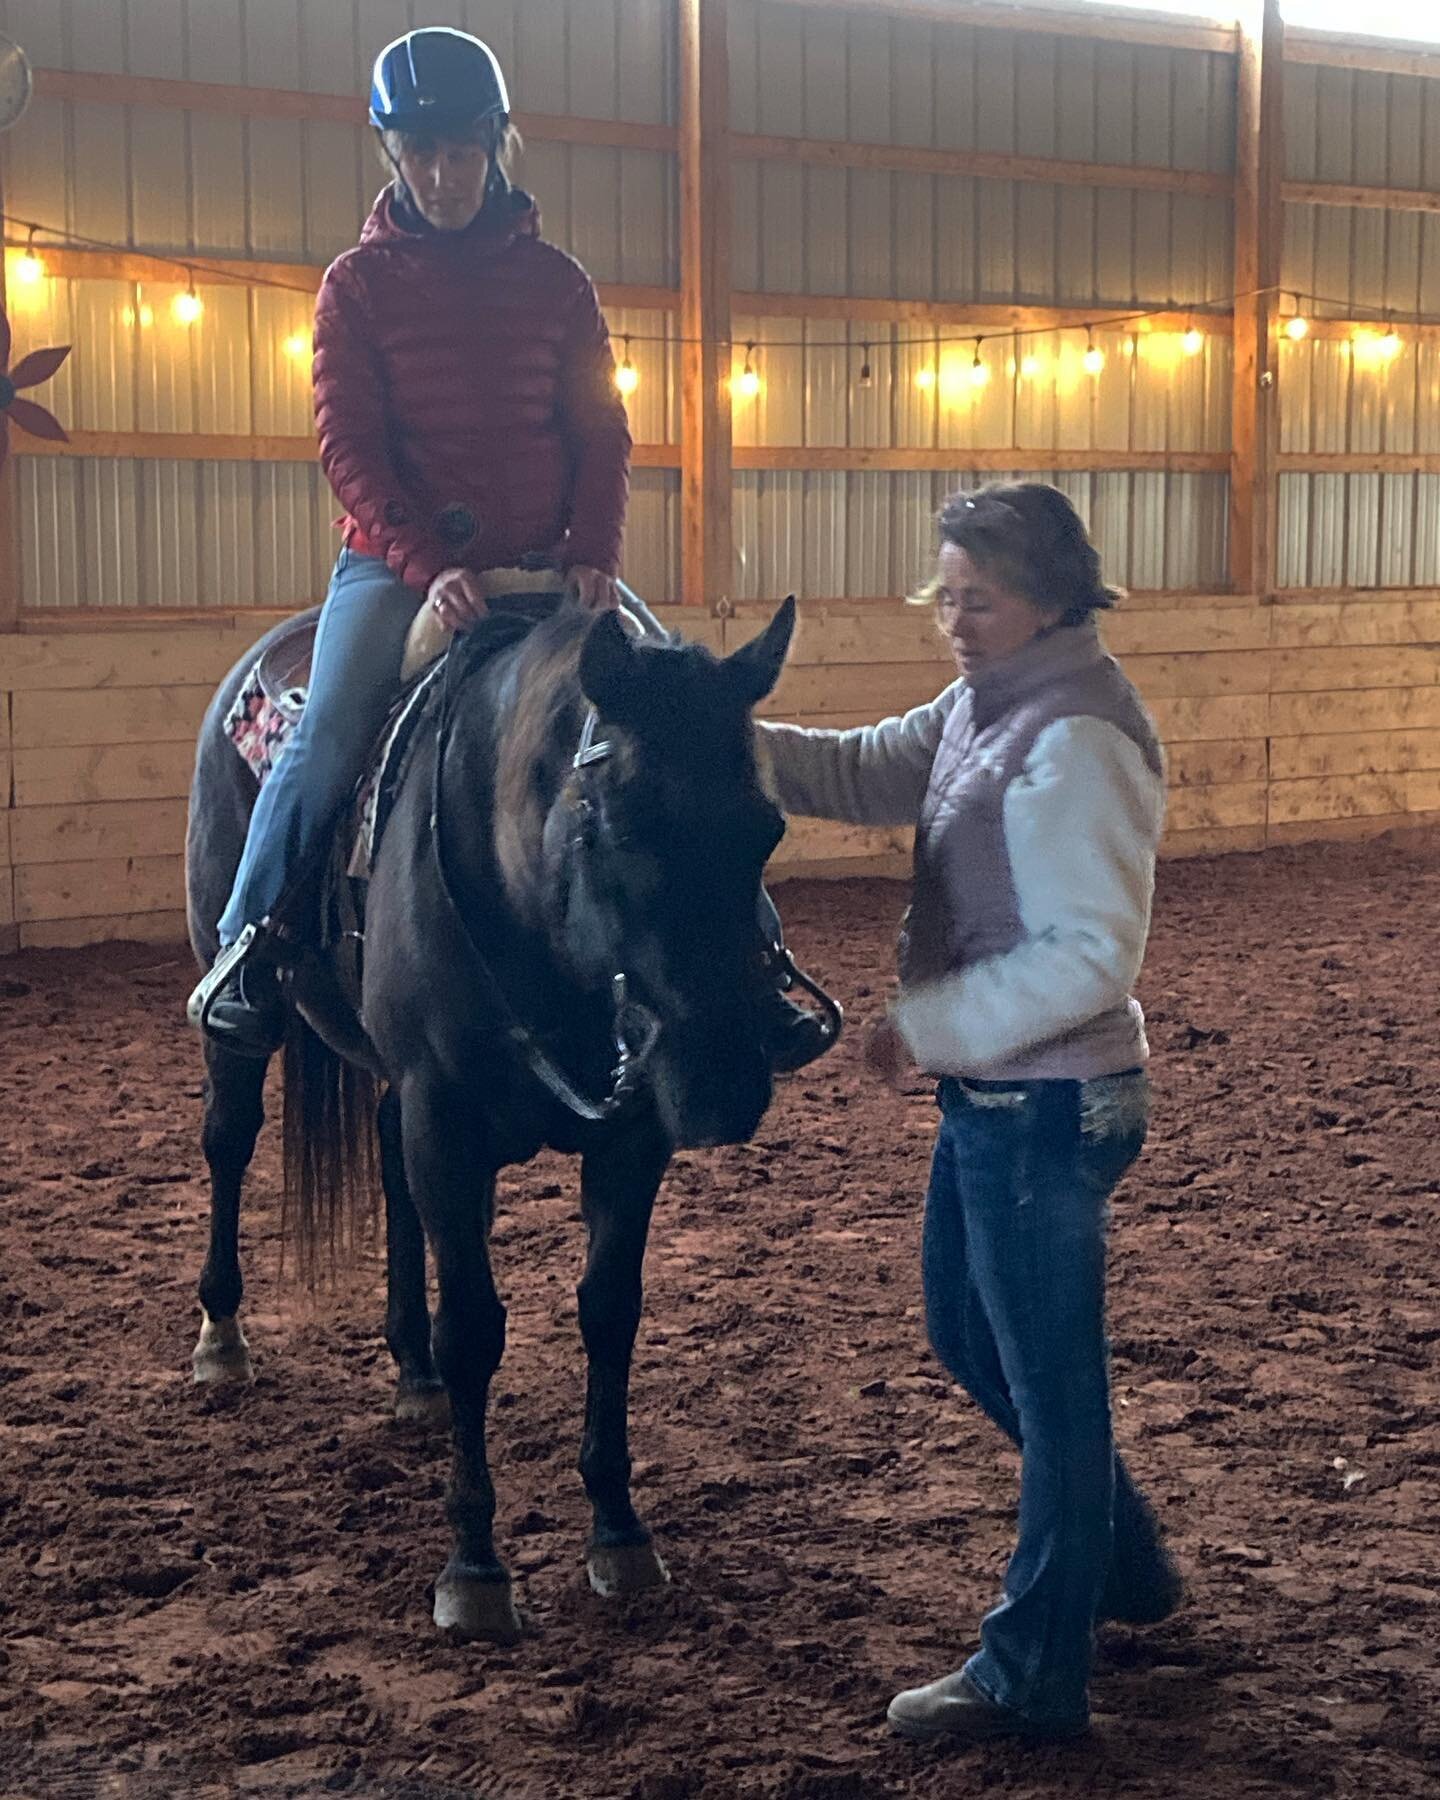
354 677
1014 1268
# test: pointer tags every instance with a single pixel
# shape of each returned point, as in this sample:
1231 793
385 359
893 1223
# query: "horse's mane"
545 684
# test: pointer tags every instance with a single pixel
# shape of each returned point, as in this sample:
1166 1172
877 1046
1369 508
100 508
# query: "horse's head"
674 833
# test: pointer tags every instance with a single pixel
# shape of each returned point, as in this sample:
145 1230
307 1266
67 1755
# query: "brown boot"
954 1707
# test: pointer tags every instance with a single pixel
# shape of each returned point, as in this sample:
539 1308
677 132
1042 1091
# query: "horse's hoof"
619 1569
470 1609
222 1354
425 1404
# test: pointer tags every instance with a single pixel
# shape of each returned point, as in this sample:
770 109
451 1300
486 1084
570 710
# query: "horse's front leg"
452 1179
419 1396
619 1182
234 1113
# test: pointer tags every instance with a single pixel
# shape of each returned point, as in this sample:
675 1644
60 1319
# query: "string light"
1371 346
979 371
297 346
747 383
187 307
27 269
1389 346
627 376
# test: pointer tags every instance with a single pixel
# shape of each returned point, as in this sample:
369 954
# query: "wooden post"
9 496
1259 227
706 549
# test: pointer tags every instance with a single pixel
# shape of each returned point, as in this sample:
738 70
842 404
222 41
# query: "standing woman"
468 418
1036 783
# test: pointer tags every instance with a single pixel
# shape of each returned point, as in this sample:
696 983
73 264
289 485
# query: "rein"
634 1028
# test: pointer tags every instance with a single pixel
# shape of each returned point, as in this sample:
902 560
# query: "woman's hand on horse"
455 595
595 590
887 1055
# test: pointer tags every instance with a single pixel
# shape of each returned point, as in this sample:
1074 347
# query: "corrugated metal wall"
1360 530
938 85
101 533
127 533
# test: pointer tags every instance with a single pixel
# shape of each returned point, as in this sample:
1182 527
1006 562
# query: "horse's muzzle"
709 1102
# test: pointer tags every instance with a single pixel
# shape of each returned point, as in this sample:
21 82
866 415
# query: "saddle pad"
256 726
260 732
261 721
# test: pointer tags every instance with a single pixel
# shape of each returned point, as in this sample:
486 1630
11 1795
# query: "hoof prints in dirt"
208 1595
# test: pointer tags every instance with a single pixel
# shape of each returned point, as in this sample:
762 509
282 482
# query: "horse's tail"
330 1158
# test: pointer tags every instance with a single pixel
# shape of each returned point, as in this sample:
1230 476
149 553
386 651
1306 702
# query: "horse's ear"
607 664
755 667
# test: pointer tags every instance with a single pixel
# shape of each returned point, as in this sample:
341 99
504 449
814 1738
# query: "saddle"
266 711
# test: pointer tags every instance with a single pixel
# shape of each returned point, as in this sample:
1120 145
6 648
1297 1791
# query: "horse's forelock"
684 715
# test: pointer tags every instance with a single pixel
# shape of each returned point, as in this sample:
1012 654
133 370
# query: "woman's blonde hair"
1030 535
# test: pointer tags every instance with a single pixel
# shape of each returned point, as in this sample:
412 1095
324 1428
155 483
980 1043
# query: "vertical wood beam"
1259 232
9 496
706 549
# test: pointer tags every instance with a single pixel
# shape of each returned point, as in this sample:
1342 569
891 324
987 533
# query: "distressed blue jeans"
355 672
1014 1269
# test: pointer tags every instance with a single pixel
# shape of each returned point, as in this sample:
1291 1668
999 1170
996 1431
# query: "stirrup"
254 940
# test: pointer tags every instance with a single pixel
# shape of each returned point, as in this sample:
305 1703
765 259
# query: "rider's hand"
886 1053
595 591
456 598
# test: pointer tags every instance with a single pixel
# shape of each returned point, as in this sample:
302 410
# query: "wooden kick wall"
1310 718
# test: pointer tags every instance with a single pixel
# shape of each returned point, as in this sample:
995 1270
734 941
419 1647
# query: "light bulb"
297 345
747 383
1297 328
979 372
187 307
925 378
1094 360
1389 346
1029 366
27 270
627 376
1193 342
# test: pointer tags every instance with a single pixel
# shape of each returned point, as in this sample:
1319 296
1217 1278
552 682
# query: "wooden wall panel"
1300 720
75 773
128 884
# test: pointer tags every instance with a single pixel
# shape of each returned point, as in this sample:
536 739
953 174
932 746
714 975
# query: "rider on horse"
468 420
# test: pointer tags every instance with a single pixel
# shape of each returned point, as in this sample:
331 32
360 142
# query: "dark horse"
559 950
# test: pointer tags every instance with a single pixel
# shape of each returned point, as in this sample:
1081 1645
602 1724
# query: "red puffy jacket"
465 396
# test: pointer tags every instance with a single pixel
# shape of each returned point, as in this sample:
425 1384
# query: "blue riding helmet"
437 80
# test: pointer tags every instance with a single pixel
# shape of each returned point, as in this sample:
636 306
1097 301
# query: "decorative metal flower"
29 372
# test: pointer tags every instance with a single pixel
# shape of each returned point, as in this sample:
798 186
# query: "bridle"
634 1029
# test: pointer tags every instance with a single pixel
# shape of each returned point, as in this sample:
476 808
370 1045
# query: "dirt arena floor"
204 1594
